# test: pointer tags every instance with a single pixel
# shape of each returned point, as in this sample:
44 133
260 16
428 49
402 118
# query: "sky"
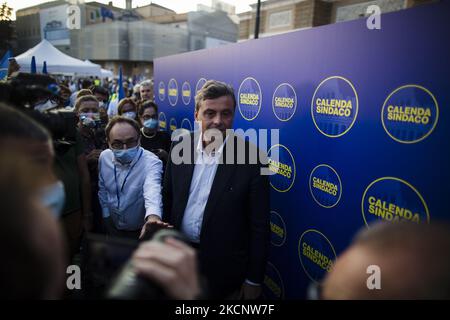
179 6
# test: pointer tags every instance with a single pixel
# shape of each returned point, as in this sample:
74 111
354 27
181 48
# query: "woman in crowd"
127 108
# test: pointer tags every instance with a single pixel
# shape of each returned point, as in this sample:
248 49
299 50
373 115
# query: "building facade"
130 37
280 16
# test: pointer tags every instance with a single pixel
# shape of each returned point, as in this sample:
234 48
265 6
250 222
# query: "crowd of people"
76 160
104 167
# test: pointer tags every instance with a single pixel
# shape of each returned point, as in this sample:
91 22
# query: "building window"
92 16
280 19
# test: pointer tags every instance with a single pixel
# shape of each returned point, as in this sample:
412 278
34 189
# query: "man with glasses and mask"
129 181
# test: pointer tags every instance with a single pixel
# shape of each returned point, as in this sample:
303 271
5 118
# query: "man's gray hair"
146 83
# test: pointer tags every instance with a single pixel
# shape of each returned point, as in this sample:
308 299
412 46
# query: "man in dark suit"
219 198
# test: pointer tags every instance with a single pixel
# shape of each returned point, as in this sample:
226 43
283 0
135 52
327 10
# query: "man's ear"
196 115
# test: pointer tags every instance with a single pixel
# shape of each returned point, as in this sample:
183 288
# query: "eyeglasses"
146 117
120 144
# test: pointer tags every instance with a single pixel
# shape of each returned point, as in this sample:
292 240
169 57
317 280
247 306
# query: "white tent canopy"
107 73
57 62
104 73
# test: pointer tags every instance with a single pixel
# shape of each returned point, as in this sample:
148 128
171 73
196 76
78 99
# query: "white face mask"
47 105
53 197
130 115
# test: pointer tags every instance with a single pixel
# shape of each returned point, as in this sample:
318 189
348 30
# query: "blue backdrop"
364 128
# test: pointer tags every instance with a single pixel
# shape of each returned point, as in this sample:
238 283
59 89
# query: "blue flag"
121 90
44 68
106 13
33 64
4 64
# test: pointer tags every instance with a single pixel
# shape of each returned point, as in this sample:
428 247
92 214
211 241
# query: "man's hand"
250 292
152 222
93 155
172 264
161 154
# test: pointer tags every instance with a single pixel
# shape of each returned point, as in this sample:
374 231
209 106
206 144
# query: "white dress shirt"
129 193
202 179
201 183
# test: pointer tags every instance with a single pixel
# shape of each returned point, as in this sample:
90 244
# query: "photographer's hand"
155 221
172 264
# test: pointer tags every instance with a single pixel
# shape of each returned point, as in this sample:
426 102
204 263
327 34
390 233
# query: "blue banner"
364 128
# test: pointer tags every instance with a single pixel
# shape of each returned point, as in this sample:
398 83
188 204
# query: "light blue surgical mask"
53 197
125 156
151 123
130 115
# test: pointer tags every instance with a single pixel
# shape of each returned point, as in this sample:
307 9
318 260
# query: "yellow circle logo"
334 106
325 186
249 98
410 114
394 200
282 164
316 254
284 102
278 228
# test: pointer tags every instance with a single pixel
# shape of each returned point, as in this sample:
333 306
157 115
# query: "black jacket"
234 238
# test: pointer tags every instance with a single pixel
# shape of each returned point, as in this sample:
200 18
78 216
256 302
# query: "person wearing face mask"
152 139
102 96
32 243
129 181
93 135
71 166
22 135
127 108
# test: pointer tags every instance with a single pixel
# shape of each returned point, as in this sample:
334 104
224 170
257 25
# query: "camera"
110 258
37 95
130 286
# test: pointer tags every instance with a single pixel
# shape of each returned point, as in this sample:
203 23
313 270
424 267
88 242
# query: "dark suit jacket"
234 238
